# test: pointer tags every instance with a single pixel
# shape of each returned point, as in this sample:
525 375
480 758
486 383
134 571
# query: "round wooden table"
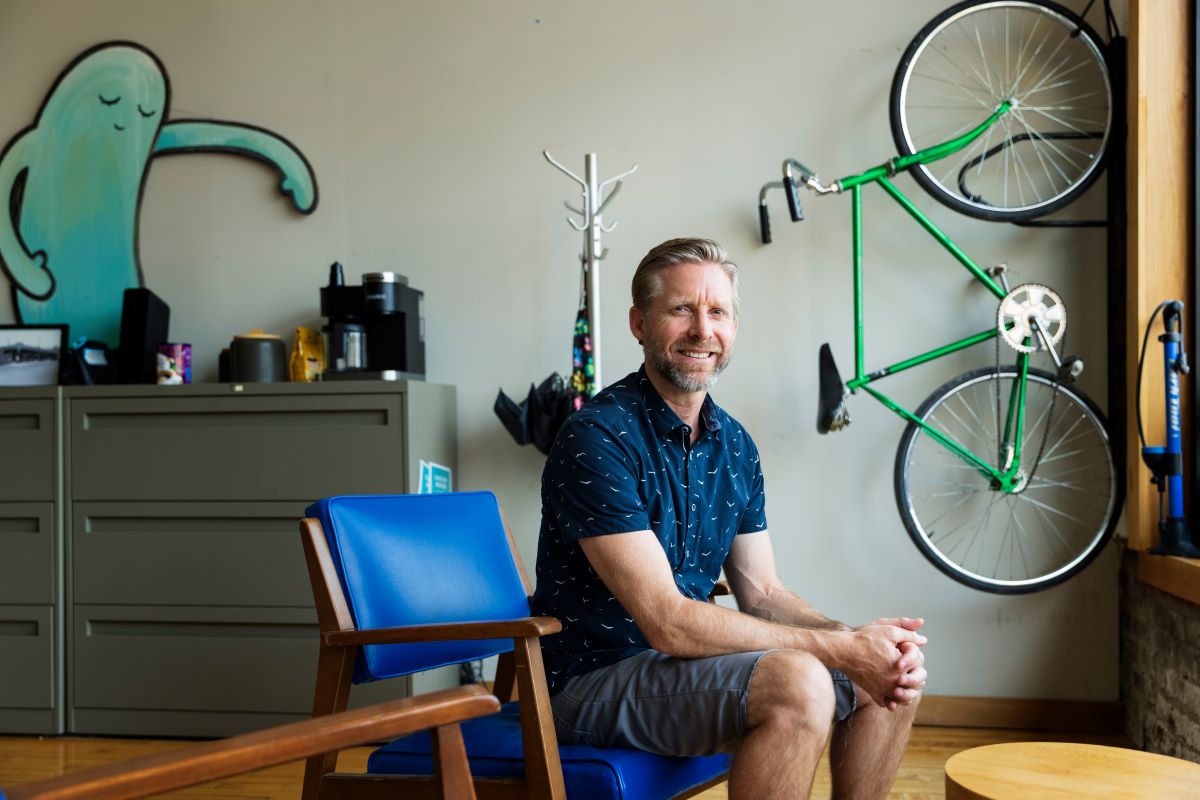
1062 770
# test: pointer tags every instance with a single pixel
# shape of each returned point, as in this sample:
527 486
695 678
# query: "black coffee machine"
375 330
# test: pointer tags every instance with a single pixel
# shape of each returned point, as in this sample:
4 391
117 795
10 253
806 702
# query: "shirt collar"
663 417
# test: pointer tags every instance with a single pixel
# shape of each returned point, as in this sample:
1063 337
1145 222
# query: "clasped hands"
891 666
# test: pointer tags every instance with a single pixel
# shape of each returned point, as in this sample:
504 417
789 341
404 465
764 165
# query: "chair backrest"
422 560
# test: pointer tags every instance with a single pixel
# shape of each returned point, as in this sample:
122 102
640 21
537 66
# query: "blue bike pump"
1166 463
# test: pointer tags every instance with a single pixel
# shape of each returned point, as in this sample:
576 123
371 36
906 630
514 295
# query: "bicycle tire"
1050 148
945 503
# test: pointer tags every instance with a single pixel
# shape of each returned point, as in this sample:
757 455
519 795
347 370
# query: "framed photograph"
32 355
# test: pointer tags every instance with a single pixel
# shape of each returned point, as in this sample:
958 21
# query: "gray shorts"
667 705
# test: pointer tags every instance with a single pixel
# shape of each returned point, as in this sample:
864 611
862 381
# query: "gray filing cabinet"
31 546
187 605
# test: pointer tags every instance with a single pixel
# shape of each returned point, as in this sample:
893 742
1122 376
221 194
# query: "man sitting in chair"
650 490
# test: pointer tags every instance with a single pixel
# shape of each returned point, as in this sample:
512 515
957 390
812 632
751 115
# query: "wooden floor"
28 758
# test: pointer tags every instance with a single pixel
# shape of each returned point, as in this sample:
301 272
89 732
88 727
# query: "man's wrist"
827 644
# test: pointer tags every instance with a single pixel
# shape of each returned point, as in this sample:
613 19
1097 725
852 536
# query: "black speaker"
145 320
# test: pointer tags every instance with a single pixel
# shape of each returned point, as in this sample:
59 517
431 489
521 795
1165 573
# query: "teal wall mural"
74 181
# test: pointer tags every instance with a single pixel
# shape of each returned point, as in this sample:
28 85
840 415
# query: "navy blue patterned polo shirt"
622 463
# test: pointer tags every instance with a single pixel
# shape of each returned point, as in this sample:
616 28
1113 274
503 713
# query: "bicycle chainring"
1027 303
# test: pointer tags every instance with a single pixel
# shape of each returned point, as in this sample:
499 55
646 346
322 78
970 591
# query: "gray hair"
647 280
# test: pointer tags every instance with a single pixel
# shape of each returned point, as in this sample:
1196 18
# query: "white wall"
425 121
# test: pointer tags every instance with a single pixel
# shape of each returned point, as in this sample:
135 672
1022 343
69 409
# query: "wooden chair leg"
450 764
543 769
335 666
506 675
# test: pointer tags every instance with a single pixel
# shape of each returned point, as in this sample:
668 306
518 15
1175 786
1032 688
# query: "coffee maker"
374 331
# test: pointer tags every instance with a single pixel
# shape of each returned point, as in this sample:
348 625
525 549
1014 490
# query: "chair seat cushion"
590 773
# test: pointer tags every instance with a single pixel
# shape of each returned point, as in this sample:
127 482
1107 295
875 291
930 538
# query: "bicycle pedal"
832 414
1072 368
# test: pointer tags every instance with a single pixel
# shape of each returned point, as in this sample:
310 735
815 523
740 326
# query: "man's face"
687 333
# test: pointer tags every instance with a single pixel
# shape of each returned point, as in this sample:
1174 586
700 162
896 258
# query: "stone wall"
1160 667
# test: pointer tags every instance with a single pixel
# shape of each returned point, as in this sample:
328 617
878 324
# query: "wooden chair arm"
200 763
490 629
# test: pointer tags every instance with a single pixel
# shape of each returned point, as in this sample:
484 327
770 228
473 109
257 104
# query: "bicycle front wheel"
976 533
1048 64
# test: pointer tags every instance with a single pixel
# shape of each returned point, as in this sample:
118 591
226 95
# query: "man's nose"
701 327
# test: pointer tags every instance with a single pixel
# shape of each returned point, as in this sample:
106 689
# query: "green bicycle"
1005 477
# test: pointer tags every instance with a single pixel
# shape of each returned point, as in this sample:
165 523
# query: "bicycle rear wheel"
983 537
1048 64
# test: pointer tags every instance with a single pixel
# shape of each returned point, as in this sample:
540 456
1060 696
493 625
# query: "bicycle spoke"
980 80
1035 140
1047 524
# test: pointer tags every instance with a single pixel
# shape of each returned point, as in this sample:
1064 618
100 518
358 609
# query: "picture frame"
32 355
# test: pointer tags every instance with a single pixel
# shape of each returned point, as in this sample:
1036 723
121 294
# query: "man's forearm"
697 629
786 608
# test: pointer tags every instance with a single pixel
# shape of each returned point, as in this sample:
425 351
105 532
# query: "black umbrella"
538 417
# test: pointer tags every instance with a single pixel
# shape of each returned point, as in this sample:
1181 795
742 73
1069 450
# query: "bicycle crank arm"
1068 368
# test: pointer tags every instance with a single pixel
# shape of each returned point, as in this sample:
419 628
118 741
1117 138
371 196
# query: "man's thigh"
667 705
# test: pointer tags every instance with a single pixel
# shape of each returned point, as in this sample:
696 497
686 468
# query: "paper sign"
435 478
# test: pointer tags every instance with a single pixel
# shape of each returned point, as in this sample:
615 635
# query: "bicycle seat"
832 414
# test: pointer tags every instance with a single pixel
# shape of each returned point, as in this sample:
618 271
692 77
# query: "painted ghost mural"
74 181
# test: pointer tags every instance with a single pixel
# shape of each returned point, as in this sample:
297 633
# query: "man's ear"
637 324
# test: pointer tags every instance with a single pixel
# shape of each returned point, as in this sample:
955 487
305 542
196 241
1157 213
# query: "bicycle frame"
1006 476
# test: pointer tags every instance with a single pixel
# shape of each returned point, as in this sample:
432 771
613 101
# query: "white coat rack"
594 203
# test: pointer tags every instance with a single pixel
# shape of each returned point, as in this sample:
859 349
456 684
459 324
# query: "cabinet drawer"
27 450
236 448
211 554
27 548
27 650
194 659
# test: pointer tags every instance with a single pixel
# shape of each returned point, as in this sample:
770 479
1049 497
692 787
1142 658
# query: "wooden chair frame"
209 761
519 672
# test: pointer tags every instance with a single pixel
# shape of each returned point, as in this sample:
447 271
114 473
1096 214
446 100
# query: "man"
650 490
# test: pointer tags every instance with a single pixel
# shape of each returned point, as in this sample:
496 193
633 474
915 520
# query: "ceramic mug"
257 357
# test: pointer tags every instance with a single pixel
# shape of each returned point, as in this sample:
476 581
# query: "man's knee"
791 688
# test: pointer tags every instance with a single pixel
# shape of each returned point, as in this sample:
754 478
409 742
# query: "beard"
658 356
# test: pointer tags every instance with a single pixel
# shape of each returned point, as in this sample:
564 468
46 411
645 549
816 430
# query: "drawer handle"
373 418
212 630
19 628
20 525
20 422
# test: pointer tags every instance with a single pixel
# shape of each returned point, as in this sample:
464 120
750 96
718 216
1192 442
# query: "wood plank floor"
29 758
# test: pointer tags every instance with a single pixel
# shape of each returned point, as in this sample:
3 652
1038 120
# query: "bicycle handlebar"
807 178
791 186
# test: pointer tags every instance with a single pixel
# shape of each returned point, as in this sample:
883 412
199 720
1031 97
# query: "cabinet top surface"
220 390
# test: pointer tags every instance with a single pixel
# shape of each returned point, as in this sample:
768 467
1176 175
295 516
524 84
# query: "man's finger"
908 623
903 635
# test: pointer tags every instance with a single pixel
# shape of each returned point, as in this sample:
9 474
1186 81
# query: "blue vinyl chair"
405 583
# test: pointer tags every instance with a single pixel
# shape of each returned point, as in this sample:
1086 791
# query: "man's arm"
751 571
635 569
750 568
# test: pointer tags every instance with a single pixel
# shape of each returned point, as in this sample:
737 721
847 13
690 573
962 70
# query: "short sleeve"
754 517
591 485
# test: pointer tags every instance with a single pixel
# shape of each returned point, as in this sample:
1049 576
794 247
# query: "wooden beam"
1020 713
1171 574
1160 219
